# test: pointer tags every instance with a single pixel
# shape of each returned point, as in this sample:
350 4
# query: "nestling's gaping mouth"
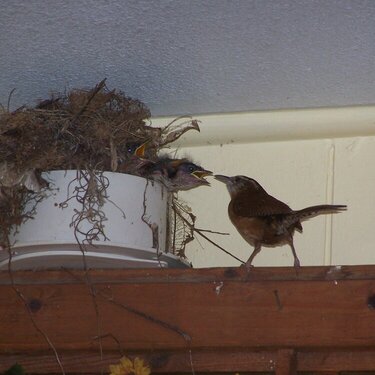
140 151
201 174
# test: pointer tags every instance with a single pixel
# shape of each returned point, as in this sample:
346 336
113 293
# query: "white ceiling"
190 57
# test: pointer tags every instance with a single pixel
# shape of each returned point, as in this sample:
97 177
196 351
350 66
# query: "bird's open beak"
224 179
201 174
140 151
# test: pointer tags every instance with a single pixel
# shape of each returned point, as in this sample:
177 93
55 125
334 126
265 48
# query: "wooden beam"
160 362
214 320
199 275
165 314
180 361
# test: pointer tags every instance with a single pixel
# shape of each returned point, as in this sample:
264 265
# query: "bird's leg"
257 247
296 260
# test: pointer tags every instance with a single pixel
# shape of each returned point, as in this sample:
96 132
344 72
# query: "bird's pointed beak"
140 151
224 179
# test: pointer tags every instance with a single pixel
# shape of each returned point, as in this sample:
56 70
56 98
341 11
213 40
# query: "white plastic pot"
132 206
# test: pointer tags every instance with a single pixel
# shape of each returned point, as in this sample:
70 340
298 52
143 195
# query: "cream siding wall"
301 172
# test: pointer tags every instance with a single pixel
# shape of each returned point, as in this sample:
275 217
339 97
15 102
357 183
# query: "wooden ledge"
191 275
319 318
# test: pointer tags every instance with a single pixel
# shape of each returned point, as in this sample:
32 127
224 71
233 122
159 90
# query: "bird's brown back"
257 203
259 216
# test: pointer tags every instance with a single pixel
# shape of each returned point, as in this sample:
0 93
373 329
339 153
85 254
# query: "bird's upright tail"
320 209
293 220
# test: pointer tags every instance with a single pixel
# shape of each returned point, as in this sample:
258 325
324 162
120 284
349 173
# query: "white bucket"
132 206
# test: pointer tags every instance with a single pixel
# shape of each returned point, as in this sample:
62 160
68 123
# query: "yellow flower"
128 367
116 370
140 368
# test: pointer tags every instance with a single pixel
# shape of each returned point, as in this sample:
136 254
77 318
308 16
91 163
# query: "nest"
86 130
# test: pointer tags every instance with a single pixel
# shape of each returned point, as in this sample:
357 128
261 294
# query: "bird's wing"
247 205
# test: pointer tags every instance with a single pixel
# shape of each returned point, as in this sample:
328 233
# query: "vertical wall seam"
329 199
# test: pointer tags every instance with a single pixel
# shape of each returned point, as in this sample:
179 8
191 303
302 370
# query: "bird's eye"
131 149
191 169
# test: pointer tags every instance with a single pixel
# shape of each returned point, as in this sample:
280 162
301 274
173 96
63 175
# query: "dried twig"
9 98
24 300
134 311
200 232
90 196
148 317
94 92
154 229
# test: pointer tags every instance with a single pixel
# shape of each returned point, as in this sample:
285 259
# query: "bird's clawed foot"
247 265
296 263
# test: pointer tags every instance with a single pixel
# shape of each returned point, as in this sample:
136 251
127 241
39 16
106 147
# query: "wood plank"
164 362
363 272
286 362
224 313
180 361
340 360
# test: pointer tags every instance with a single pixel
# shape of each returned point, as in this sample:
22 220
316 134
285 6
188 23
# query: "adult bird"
264 220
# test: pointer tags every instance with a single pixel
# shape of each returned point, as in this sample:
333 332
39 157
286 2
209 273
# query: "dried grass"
74 131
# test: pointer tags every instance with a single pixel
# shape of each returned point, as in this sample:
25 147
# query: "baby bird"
264 220
134 158
177 174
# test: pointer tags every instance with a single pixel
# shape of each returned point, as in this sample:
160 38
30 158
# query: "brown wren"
264 220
